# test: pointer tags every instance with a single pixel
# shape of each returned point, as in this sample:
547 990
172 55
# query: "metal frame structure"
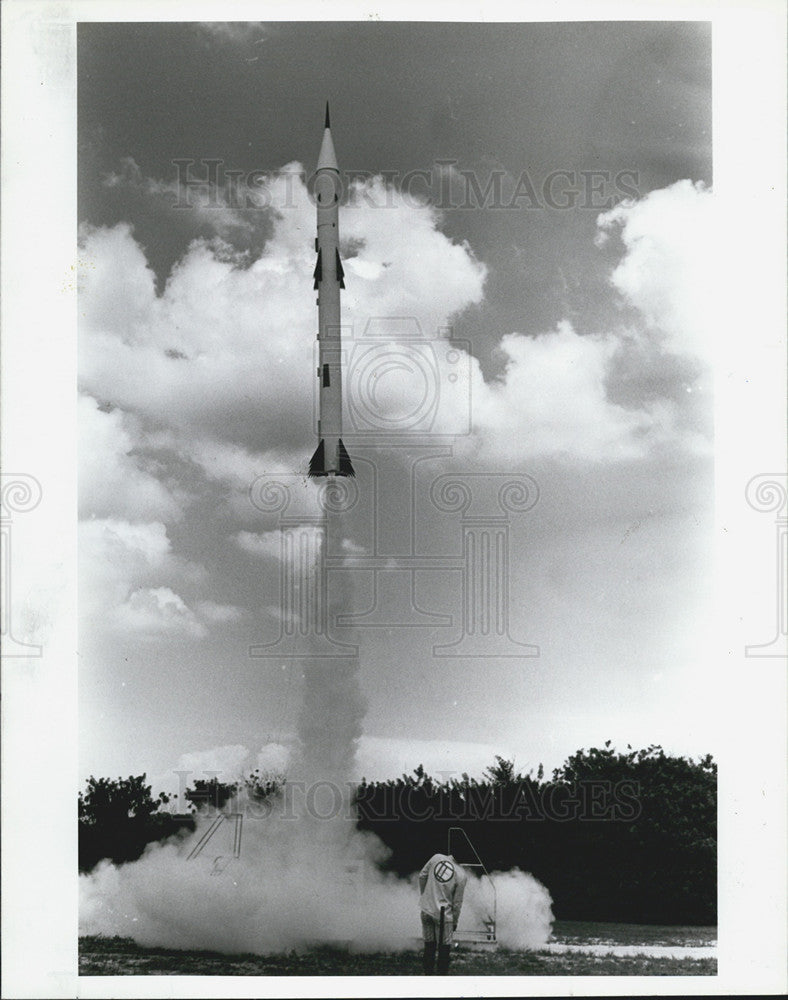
221 861
488 936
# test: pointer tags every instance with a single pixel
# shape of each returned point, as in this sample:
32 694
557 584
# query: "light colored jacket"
442 883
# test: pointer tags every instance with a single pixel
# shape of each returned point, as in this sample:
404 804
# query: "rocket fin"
340 271
345 465
317 465
318 272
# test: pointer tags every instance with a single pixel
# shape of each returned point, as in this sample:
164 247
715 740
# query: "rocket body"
330 457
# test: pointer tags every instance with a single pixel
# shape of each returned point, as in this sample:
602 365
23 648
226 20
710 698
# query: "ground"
101 956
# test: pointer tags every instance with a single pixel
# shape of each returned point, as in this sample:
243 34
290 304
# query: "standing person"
441 887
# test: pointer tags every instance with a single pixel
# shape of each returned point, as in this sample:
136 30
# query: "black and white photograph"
393 501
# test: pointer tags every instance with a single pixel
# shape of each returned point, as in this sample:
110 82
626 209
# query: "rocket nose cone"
327 158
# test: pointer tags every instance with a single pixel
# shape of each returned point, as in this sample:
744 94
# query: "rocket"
330 457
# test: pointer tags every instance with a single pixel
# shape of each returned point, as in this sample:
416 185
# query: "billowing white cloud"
150 612
273 758
272 544
115 554
552 400
267 544
127 574
114 479
210 611
667 271
218 366
227 763
612 395
222 461
228 760
223 358
116 287
405 267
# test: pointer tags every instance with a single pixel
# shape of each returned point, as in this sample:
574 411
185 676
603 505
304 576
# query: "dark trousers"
431 947
444 953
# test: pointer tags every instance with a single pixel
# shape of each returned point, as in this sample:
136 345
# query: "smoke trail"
332 712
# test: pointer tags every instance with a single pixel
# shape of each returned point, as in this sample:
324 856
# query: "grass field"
101 956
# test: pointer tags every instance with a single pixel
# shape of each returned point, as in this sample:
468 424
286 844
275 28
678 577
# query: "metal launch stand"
482 937
221 861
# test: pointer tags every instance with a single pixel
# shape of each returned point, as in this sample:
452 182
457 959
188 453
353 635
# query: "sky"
553 257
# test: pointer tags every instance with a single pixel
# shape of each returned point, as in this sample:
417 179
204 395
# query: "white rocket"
330 457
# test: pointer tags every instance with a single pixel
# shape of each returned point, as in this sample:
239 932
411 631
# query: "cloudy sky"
540 194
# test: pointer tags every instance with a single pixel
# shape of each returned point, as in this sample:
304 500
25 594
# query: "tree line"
613 836
624 836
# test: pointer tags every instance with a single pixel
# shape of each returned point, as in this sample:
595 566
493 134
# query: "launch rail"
457 839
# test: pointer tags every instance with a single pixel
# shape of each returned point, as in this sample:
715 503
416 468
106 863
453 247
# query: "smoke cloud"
298 882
